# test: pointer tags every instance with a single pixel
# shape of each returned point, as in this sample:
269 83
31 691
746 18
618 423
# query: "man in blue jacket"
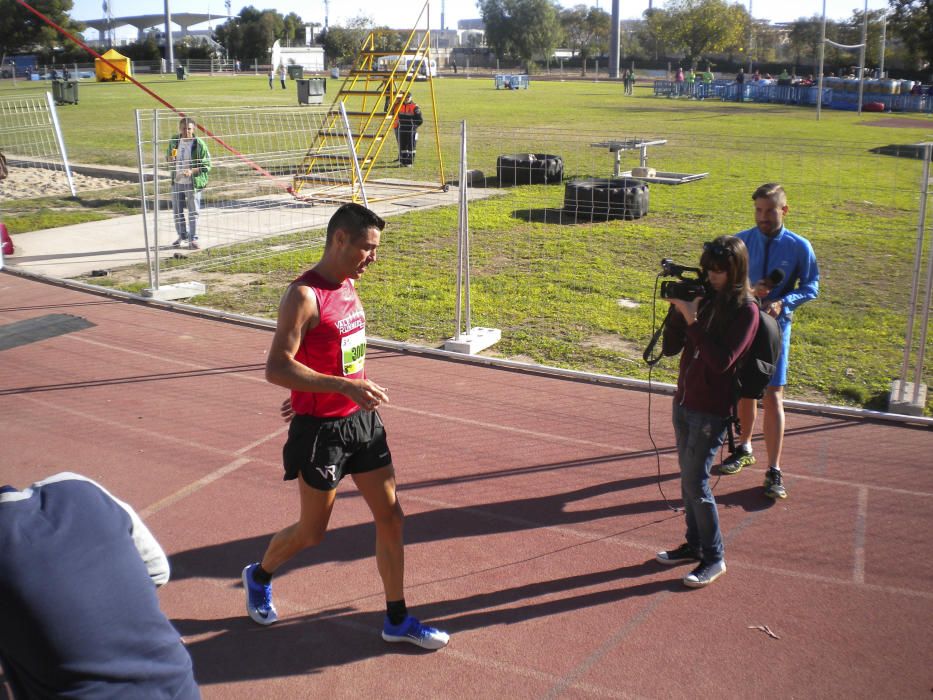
79 615
772 247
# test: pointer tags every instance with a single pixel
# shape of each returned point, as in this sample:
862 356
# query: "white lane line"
194 486
858 569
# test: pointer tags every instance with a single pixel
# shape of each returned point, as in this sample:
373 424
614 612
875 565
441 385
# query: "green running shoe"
774 488
734 463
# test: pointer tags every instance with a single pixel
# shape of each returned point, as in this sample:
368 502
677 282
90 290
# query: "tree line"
689 32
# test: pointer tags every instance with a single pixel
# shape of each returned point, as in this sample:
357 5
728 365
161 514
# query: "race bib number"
353 352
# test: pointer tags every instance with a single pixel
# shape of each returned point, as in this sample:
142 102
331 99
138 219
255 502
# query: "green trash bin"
181 72
69 92
296 72
310 91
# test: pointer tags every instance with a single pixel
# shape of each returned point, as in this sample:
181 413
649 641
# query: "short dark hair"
354 218
771 190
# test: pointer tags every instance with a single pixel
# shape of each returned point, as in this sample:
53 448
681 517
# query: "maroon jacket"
708 363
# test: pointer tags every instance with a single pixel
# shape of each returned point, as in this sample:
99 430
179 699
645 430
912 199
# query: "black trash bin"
296 72
57 91
181 72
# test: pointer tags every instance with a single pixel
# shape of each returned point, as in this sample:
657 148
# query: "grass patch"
554 289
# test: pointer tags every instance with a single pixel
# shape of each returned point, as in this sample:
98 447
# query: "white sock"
746 447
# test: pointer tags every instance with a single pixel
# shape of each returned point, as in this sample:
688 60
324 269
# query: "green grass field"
555 289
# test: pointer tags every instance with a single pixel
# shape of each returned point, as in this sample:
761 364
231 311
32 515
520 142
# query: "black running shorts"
324 450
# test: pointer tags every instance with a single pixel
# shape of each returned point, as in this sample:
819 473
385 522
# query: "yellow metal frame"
371 98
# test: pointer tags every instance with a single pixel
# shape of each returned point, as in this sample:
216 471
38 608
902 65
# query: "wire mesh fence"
568 227
31 140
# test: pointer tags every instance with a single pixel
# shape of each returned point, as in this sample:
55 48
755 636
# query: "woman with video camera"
713 331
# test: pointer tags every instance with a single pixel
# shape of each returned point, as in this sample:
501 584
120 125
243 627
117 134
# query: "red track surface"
533 515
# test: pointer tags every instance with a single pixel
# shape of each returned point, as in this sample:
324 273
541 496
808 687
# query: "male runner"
319 352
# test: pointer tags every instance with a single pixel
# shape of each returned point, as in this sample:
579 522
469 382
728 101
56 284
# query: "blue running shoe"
412 631
258 598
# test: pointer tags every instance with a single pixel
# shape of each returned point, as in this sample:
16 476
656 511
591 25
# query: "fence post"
61 143
898 401
142 195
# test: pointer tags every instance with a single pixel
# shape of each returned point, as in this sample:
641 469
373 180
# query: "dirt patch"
902 123
27 182
609 341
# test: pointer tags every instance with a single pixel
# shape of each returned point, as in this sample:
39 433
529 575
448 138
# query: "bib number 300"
353 352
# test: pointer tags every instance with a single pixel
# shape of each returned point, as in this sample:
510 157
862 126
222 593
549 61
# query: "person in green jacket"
191 163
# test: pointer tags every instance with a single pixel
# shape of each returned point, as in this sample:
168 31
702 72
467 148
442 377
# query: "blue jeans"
185 196
699 436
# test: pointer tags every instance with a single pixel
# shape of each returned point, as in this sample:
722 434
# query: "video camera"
686 287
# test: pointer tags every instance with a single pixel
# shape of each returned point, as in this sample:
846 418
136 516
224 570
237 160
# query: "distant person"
191 165
319 353
236 66
79 614
283 74
691 81
771 246
631 82
679 82
740 85
406 130
453 64
271 76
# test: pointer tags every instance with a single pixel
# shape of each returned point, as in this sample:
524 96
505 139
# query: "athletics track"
533 515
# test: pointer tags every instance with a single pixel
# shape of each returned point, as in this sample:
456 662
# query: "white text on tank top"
352 342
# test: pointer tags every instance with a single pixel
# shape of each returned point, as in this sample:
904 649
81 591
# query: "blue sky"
403 13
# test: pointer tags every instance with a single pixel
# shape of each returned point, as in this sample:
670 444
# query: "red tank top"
336 346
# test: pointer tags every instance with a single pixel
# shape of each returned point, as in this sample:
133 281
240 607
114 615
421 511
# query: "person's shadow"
238 649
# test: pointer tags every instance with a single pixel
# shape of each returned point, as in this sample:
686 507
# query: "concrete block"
907 406
477 340
170 292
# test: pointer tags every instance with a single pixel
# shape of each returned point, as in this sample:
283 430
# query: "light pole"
819 84
751 29
169 48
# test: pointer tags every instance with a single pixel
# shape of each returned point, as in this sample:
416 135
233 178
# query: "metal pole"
884 31
466 241
356 163
819 85
169 42
614 42
861 59
751 29
61 143
918 254
155 194
142 195
460 212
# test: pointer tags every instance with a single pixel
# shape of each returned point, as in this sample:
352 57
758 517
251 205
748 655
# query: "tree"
912 21
252 33
586 31
342 44
22 31
804 39
521 28
700 27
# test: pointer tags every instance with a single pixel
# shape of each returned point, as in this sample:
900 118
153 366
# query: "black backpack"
757 365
